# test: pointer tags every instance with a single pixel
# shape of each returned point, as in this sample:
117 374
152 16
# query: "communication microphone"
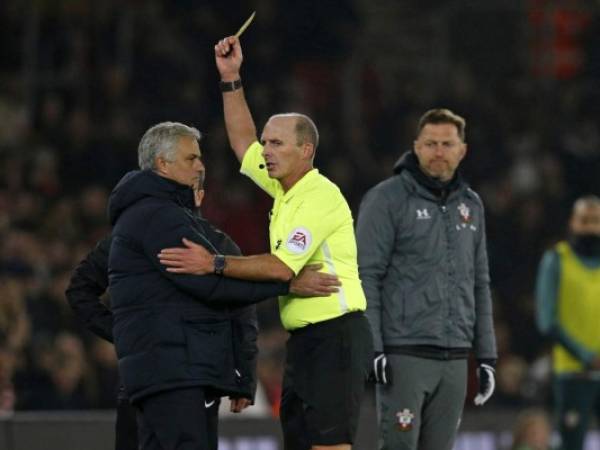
261 166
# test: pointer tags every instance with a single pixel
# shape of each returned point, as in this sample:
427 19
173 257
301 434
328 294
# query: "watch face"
219 264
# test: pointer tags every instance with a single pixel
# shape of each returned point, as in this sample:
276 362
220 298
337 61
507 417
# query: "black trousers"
126 429
181 419
577 400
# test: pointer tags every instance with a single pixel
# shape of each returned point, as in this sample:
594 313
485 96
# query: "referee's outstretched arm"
241 130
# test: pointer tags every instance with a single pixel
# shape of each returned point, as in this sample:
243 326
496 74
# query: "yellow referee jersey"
311 223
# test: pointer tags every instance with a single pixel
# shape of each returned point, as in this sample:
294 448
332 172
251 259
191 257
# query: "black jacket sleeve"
245 323
88 282
167 228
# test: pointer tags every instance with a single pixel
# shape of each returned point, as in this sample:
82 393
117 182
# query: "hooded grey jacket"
424 267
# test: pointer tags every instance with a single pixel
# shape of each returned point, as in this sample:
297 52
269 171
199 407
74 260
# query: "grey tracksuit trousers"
422 407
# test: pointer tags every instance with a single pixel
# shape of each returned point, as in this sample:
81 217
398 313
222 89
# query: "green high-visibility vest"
578 306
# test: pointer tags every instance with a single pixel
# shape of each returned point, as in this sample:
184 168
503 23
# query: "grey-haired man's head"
171 149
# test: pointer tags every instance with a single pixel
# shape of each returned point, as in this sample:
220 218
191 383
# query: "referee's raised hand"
228 56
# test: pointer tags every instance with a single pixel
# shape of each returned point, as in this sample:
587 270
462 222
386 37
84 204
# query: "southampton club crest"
405 419
466 218
465 213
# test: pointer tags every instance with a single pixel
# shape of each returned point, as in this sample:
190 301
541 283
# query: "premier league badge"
405 419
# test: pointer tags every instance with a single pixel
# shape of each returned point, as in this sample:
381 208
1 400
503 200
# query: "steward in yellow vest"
568 312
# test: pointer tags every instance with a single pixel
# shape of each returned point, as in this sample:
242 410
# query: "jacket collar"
137 185
434 189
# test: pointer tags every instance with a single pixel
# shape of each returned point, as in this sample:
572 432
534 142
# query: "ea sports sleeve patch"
299 240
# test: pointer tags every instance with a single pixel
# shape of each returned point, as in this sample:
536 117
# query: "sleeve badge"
405 419
299 240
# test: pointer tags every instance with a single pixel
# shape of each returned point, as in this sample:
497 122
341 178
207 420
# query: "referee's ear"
308 151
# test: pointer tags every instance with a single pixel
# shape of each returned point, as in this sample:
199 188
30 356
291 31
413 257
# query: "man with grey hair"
179 339
329 349
163 138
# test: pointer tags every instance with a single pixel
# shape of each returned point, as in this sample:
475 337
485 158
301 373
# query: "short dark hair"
442 115
305 128
306 131
587 200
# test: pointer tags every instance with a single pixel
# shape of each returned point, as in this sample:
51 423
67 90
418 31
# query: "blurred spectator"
568 306
270 368
61 379
104 362
14 336
68 367
511 373
14 322
7 390
532 431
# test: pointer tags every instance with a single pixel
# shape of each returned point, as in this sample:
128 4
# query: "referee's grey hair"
305 128
161 140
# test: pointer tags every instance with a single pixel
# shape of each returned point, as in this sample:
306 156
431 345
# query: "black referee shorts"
324 382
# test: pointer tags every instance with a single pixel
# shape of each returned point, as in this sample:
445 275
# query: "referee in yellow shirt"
330 347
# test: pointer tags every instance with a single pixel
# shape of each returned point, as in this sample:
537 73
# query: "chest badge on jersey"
299 240
465 212
405 419
466 217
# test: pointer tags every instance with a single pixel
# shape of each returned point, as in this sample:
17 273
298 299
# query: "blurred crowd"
80 81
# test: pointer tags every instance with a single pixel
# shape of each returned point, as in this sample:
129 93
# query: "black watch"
230 86
219 262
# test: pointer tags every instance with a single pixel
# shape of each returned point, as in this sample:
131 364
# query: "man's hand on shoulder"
312 283
192 259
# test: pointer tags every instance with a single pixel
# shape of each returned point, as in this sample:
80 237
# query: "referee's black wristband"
229 86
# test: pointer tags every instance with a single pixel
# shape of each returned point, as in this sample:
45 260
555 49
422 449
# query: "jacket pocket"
465 304
422 313
208 348
398 300
138 372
